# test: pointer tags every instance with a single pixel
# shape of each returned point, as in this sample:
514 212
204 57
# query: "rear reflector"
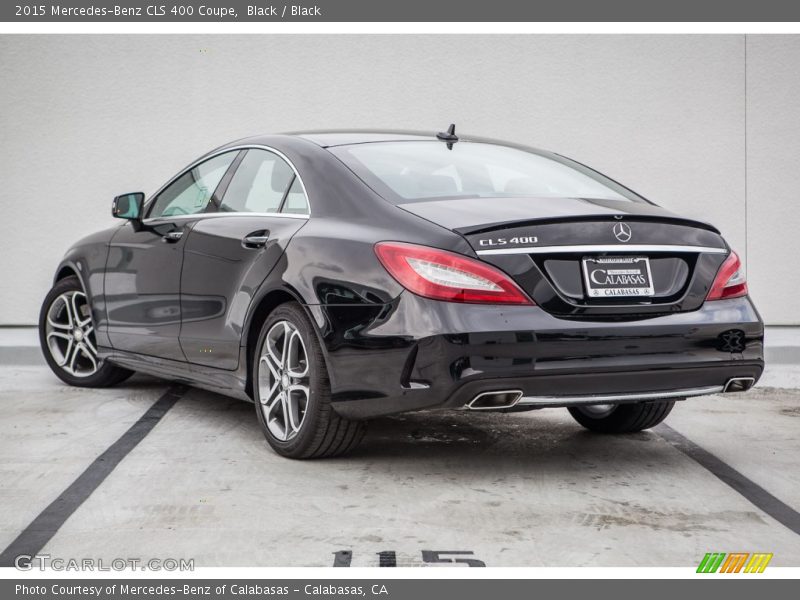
448 276
730 281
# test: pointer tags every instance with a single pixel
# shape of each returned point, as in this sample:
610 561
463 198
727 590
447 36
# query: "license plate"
614 276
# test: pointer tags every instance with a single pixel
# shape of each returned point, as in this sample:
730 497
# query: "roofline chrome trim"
604 398
603 248
211 155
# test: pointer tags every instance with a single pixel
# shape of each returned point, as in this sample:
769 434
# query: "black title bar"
398 11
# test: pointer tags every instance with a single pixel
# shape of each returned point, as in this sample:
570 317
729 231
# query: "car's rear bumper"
418 354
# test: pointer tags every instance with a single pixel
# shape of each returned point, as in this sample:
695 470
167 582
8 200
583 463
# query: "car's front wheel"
622 418
66 335
292 391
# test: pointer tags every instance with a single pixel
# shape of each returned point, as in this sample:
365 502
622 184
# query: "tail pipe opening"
495 400
738 384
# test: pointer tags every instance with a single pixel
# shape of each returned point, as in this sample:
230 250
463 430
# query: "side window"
296 202
259 185
190 193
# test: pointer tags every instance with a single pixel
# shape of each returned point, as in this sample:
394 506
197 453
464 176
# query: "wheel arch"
68 268
64 272
259 313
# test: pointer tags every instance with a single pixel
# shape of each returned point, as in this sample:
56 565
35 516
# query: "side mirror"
128 206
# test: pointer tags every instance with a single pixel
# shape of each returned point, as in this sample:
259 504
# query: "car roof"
331 138
343 137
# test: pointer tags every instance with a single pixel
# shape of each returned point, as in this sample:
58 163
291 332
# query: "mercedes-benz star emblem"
622 232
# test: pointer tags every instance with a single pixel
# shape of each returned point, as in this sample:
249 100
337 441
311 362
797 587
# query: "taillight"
448 276
730 281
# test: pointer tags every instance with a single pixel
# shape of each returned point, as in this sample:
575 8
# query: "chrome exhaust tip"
738 384
495 400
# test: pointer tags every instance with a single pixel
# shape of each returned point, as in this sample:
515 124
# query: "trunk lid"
471 215
564 252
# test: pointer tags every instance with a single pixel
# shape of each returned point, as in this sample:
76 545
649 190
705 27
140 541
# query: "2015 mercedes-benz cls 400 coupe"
337 276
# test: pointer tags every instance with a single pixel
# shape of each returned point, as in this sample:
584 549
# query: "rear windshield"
419 170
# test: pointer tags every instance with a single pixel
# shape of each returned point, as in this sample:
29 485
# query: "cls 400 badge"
514 241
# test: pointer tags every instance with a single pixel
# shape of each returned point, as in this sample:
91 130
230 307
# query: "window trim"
215 212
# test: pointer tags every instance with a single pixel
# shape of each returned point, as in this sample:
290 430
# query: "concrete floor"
526 489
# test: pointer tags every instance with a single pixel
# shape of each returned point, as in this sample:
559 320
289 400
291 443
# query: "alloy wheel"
283 380
69 332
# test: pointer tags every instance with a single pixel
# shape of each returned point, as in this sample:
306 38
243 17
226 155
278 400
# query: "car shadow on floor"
502 435
536 437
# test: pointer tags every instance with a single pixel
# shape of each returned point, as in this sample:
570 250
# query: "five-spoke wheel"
70 334
68 340
283 380
292 391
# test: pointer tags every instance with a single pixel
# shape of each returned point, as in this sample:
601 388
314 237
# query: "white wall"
773 175
708 126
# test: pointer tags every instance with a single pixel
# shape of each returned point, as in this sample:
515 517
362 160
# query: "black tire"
624 418
322 433
106 374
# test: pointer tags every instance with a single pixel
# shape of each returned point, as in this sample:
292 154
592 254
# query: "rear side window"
296 202
406 171
191 192
260 184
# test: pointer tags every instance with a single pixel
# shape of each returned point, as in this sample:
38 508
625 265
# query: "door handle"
257 239
172 236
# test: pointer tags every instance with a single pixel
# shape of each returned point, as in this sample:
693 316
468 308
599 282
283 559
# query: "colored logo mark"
734 562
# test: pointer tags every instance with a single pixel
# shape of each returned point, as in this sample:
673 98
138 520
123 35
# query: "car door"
227 258
143 270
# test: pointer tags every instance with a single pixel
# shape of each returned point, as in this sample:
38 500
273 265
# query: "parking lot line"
34 537
760 497
503 490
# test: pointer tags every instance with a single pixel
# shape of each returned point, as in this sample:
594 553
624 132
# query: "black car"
337 276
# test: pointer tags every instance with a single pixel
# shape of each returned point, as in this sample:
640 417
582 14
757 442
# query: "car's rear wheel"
292 390
67 338
621 418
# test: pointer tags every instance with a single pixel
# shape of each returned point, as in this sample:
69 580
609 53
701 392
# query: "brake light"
730 281
447 276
